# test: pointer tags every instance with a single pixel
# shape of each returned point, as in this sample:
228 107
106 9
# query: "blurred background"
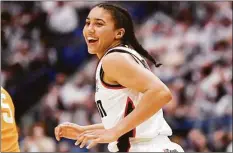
49 74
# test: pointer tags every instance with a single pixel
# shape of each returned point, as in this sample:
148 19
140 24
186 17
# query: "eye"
87 23
99 24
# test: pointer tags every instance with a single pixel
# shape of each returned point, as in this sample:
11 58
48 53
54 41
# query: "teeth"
91 38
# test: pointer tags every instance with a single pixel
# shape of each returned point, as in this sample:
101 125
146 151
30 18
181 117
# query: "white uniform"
114 102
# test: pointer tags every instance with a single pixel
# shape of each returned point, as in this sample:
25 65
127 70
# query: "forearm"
94 126
150 103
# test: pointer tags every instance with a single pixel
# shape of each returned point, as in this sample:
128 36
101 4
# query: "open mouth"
92 40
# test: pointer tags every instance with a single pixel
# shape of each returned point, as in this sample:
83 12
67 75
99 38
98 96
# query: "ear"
119 33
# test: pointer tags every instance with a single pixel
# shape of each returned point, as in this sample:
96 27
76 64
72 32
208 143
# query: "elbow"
164 94
167 94
167 97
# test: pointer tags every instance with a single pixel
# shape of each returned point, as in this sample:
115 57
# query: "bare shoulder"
123 69
117 60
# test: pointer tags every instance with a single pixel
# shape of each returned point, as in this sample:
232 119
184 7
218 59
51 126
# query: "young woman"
129 97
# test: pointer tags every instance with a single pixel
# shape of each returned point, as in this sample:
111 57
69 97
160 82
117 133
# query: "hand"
68 130
96 136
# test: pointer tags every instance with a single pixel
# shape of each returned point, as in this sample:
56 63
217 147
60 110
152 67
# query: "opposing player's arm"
123 69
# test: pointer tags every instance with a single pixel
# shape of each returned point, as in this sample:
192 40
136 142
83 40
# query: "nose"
90 29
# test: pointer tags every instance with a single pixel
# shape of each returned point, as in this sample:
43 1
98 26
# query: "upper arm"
124 70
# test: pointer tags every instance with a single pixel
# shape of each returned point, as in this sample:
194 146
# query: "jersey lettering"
7 116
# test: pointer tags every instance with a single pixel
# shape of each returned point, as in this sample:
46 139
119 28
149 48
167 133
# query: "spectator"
37 141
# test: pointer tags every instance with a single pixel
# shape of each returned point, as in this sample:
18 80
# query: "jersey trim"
123 51
123 142
134 57
106 85
117 86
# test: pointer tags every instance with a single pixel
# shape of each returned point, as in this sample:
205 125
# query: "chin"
91 51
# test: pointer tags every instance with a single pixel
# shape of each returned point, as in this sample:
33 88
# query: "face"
99 31
38 131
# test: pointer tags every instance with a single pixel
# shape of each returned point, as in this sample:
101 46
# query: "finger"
84 139
79 136
77 143
91 136
84 142
84 133
80 139
60 133
57 133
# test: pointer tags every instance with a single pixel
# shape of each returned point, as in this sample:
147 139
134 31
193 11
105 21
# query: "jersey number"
101 109
7 117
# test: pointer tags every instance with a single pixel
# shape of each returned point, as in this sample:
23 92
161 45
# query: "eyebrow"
98 19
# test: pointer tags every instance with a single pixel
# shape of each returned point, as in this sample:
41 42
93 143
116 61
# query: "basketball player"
9 133
129 97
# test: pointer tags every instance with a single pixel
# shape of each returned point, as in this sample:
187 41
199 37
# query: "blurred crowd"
48 72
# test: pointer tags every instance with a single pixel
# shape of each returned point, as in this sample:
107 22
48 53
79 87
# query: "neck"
100 55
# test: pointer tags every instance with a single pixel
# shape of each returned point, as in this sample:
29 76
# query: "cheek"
106 36
84 31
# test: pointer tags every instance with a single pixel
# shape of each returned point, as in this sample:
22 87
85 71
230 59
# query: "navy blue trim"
106 84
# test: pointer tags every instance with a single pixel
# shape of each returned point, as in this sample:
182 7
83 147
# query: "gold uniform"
9 133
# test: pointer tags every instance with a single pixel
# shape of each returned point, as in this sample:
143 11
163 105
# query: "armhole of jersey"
118 86
107 85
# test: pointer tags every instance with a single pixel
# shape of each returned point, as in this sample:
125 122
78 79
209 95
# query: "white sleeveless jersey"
114 102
